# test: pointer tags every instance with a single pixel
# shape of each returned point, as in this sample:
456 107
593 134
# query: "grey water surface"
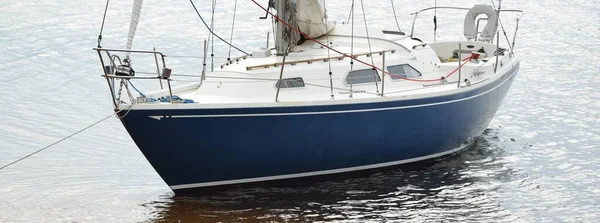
537 162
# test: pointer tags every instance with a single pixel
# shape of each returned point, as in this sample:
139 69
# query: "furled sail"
135 17
312 18
309 16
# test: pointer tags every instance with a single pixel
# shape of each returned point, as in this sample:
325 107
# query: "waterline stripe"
317 173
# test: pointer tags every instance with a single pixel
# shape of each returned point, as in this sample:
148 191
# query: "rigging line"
435 22
212 44
352 39
232 27
351 12
273 30
375 74
197 12
102 27
516 31
211 22
59 141
465 61
352 49
328 50
340 52
503 30
395 17
272 23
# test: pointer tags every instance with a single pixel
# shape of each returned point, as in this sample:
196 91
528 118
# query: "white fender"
490 29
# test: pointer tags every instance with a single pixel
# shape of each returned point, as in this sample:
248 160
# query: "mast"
281 44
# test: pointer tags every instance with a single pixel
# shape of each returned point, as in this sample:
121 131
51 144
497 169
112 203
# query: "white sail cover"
135 17
312 18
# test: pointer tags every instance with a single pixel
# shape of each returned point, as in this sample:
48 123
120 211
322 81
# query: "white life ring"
490 29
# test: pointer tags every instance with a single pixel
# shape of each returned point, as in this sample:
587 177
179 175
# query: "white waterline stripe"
316 173
330 112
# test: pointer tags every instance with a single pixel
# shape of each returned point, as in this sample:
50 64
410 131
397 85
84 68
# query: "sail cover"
312 18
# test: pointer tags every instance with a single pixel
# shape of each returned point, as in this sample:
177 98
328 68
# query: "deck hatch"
362 77
404 71
294 82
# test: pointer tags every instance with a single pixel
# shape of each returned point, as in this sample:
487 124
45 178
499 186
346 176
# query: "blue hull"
210 147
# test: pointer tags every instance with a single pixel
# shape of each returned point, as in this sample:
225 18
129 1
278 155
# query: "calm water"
537 162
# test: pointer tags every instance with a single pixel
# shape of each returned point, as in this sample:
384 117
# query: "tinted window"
290 83
403 70
362 76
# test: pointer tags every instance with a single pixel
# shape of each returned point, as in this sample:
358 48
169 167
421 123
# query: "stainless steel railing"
114 61
416 14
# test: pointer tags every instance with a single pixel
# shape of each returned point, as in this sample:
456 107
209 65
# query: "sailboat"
329 98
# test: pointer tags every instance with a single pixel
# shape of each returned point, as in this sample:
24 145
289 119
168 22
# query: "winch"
125 69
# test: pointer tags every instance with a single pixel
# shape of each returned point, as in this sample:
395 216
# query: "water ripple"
538 161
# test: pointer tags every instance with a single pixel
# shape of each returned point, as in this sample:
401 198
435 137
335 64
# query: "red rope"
346 55
454 71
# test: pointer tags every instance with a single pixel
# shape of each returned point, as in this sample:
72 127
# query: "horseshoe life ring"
490 29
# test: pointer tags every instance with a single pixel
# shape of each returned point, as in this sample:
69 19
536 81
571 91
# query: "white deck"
253 80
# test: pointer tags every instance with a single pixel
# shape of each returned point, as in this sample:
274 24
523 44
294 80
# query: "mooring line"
57 142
